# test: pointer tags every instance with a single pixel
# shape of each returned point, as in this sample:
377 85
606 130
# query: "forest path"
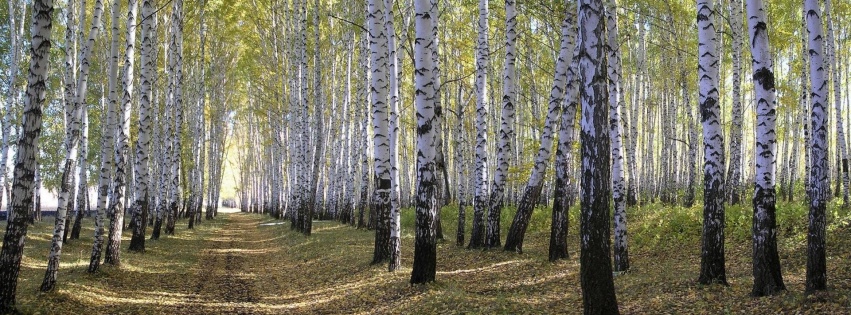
227 271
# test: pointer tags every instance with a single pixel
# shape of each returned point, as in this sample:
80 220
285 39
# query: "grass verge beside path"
238 265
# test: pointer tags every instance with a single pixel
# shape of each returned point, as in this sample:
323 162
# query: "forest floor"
245 264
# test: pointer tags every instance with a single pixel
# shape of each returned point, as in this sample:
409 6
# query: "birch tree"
122 145
143 141
818 176
379 84
564 185
598 289
107 143
734 173
480 198
393 129
425 243
532 191
25 159
16 32
766 261
712 269
71 150
506 128
615 90
837 103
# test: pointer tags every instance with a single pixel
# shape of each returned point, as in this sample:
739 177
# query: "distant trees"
517 231
346 118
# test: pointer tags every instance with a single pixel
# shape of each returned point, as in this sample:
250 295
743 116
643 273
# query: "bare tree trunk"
25 159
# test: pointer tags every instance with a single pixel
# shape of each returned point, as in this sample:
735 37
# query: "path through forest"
226 273
251 264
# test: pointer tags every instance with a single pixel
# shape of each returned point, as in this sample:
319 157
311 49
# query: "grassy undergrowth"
236 266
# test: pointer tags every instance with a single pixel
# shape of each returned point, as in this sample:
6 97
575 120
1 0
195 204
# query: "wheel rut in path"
225 282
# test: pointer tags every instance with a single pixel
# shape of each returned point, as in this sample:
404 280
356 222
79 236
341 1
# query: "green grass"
235 266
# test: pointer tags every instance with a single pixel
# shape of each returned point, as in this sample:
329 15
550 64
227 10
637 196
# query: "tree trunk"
72 148
712 266
514 241
766 261
480 198
25 159
143 141
816 262
395 193
621 252
378 66
564 186
837 90
734 174
81 207
598 290
506 128
425 243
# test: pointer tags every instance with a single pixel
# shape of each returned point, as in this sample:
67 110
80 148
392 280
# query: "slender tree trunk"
621 252
25 159
712 266
480 198
12 90
123 110
81 205
506 129
818 176
564 186
72 148
395 193
425 243
837 90
734 174
143 141
379 86
514 241
766 261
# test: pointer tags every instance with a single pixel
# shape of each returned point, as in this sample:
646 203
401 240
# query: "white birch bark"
480 201
598 291
11 93
425 244
837 99
71 152
25 159
143 141
818 176
107 143
516 234
712 264
734 173
379 87
506 128
621 253
766 261
393 129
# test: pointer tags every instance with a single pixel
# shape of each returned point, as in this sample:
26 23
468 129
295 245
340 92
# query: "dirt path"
226 278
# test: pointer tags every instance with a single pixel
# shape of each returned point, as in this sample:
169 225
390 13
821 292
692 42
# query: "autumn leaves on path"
224 278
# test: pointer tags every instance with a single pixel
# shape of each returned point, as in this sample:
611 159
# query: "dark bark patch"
765 78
